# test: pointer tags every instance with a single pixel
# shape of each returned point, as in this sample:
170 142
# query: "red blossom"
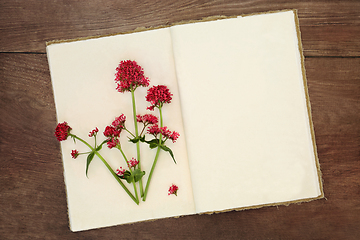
111 131
158 95
93 132
173 189
129 75
120 171
119 121
132 163
174 136
62 131
112 142
154 130
147 119
165 132
74 153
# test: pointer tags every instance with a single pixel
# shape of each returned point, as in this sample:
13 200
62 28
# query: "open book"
240 105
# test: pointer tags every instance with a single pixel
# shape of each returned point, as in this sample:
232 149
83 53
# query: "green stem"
155 160
123 154
137 144
136 200
109 168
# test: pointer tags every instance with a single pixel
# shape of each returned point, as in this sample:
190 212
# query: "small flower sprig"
63 131
129 76
158 96
173 190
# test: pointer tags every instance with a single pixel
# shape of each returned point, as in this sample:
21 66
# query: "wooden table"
32 190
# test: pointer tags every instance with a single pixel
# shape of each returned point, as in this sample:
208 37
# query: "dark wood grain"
329 28
32 191
33 197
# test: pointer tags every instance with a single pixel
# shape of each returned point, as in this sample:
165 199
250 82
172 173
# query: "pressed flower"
119 121
132 163
74 153
93 132
147 119
111 131
173 189
154 130
62 131
174 136
129 75
165 132
120 171
112 142
158 95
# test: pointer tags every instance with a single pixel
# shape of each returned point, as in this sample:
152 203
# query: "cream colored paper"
243 100
82 74
239 105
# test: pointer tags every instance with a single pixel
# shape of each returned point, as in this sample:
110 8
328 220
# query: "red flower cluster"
173 189
74 153
167 134
93 132
112 142
147 119
119 122
157 96
132 163
113 131
62 131
120 171
129 75
154 130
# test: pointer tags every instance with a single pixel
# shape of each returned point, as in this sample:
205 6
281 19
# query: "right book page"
245 110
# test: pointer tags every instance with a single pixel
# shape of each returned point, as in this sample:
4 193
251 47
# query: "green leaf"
134 140
88 161
138 174
153 143
165 148
127 176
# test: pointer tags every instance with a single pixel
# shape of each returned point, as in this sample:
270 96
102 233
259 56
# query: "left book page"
82 74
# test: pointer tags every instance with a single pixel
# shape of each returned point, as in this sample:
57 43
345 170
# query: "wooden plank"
32 191
329 28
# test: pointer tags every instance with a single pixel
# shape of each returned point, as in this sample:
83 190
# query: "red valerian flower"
165 132
119 121
132 163
174 136
111 131
120 171
147 119
173 189
158 95
154 130
129 75
93 132
74 153
112 142
62 131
